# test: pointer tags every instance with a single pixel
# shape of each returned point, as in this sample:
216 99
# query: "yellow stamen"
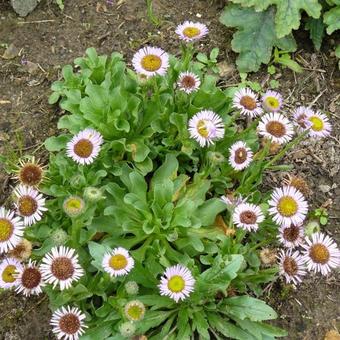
287 206
176 284
118 262
191 32
151 62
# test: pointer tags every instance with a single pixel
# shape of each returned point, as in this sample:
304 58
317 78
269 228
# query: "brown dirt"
50 39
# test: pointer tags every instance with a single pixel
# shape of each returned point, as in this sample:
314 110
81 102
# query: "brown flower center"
188 82
69 323
248 102
319 253
240 155
83 148
30 174
291 233
6 230
276 129
62 268
151 62
31 278
27 205
301 120
248 217
290 266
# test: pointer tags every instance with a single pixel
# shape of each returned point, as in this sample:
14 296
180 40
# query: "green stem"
75 232
153 19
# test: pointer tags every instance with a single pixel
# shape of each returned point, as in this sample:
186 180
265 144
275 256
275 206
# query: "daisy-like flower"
188 82
29 279
276 127
22 251
231 201
61 266
272 101
206 127
134 310
240 156
177 282
118 262
291 236
288 206
11 230
191 31
248 216
247 101
300 117
30 173
319 125
9 267
84 147
68 323
74 206
321 253
30 204
292 266
151 61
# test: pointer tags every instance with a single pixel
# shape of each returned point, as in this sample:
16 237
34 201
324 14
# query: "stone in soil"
24 7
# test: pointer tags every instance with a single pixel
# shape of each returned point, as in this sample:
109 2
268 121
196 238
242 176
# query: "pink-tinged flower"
247 102
191 31
292 266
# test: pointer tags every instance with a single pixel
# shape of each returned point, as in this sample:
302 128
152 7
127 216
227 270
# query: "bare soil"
48 39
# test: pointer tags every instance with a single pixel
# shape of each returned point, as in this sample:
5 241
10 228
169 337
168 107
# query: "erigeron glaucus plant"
152 215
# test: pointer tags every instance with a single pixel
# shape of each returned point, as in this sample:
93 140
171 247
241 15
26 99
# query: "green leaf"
168 170
256 36
208 211
101 332
288 12
332 19
201 325
248 307
316 29
56 143
97 252
153 319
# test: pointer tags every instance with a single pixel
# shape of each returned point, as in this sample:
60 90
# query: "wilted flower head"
30 172
22 250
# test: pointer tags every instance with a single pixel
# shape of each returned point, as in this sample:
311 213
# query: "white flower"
84 147
292 266
177 282
151 61
68 323
30 204
206 127
61 266
9 267
300 118
319 125
29 279
248 216
240 156
231 201
188 82
191 31
321 253
11 230
288 206
276 127
247 101
272 101
118 262
291 236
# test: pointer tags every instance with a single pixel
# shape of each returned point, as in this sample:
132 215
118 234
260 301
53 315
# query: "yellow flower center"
73 204
118 262
317 123
191 32
319 253
272 102
6 230
135 312
151 62
8 274
202 128
176 284
27 205
287 206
